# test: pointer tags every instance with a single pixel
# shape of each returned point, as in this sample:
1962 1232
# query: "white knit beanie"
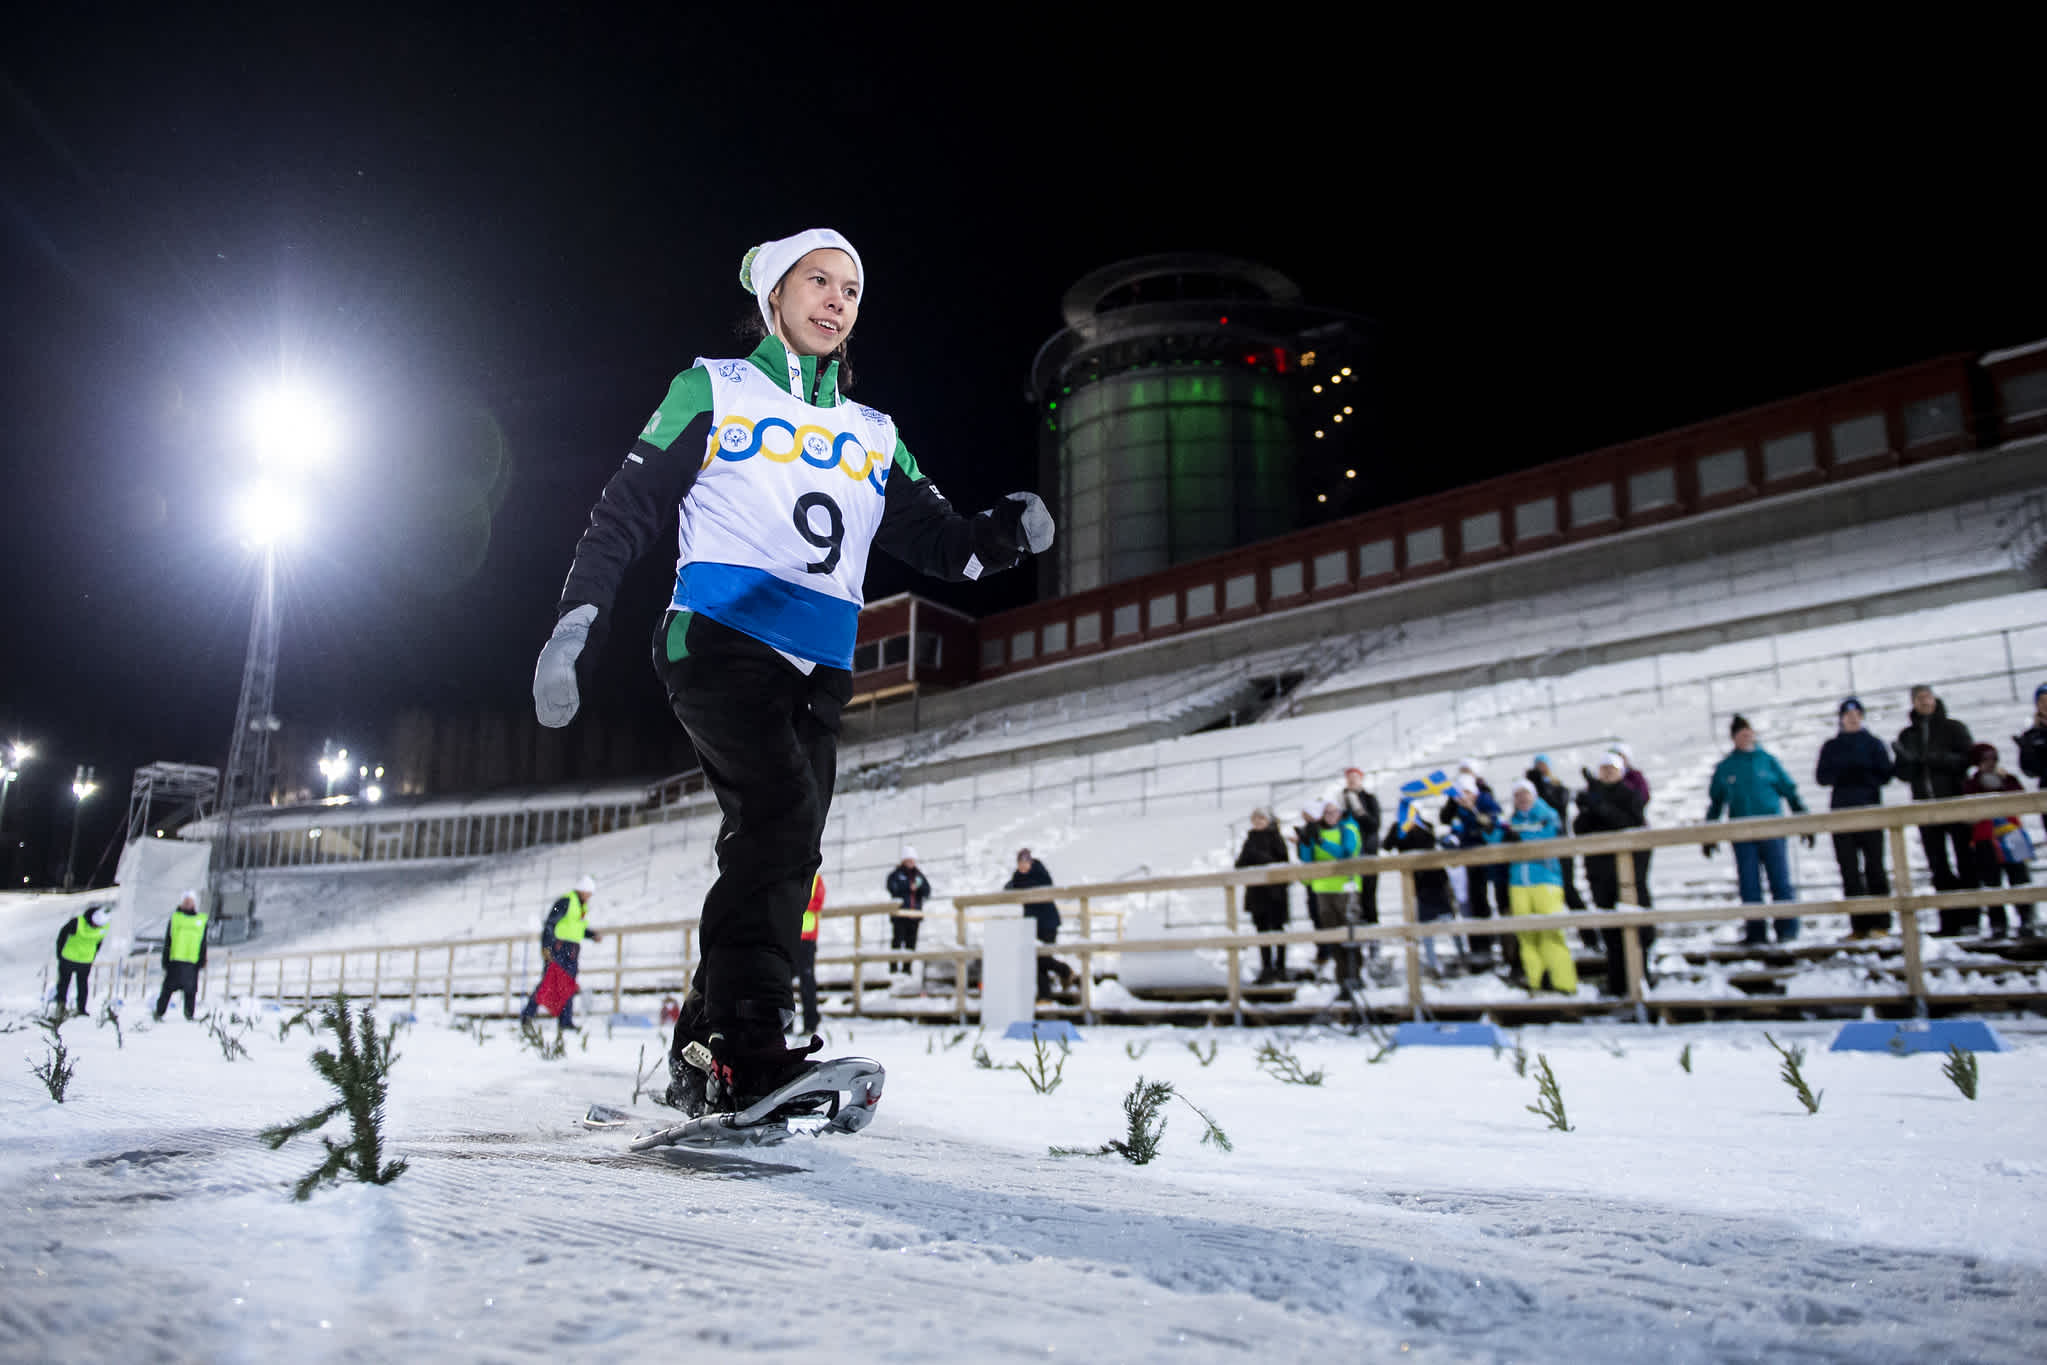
1613 760
767 263
586 885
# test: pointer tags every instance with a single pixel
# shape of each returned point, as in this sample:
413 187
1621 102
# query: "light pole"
10 768
82 786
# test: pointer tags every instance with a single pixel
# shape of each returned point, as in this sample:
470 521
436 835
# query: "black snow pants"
767 735
69 971
179 976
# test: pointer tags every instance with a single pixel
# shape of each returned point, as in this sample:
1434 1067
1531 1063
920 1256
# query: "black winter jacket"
1607 806
909 887
2033 751
1552 793
1431 885
1046 913
1363 807
1856 766
1933 755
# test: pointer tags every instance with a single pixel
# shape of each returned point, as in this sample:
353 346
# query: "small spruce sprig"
1145 1126
1044 1079
1281 1064
1199 1055
56 1069
108 1015
645 1076
1549 1102
1135 1052
1520 1059
950 1043
224 1033
533 1036
359 1069
982 1061
1385 1050
1790 1073
1684 1058
1960 1068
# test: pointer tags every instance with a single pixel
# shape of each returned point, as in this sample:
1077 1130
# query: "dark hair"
1740 724
752 329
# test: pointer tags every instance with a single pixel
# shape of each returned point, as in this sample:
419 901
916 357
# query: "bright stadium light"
267 514
373 793
290 425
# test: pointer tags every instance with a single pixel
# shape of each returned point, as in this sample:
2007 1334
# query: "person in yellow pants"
1537 888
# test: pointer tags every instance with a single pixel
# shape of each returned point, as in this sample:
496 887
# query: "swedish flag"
1436 782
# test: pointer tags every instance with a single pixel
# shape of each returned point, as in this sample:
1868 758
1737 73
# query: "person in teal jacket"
1749 784
1333 900
1536 887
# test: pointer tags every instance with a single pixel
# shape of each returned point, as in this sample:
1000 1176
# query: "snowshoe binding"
752 1097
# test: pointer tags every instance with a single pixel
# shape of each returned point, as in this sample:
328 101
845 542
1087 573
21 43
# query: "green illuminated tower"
1172 405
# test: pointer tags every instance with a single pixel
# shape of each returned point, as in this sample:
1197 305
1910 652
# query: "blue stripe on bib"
810 625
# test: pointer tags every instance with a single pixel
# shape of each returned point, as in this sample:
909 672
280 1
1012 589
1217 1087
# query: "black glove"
1510 836
1808 840
1709 849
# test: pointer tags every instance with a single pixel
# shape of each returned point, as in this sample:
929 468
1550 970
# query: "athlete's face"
817 302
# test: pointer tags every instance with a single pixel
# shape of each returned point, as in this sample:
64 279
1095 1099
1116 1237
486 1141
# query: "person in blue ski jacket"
1536 887
1855 765
1749 784
1469 817
1333 899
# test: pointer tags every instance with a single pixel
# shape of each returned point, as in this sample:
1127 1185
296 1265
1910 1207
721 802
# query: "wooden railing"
472 970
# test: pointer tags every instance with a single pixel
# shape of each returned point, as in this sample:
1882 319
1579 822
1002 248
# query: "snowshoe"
835 1096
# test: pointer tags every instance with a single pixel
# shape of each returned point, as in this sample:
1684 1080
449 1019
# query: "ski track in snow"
945 1232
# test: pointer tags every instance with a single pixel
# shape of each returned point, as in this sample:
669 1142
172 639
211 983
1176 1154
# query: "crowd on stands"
1935 755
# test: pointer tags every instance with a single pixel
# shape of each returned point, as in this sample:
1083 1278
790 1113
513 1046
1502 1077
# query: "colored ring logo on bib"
741 438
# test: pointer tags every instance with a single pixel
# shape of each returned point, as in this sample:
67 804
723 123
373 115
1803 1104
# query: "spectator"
2033 743
184 954
78 943
1933 756
910 889
1749 784
1638 783
1334 898
1469 818
2000 846
1031 872
1608 803
1537 888
561 943
1856 765
806 956
1557 797
1264 847
1411 832
1362 809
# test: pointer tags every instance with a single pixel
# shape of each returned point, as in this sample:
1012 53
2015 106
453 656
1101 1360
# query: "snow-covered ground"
1411 1208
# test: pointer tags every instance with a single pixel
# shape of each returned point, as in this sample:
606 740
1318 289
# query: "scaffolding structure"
186 790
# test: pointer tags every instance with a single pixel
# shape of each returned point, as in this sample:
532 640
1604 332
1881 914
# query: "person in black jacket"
908 888
1856 765
1557 797
1263 847
78 946
1031 872
1363 809
1609 803
1933 756
2033 743
1432 898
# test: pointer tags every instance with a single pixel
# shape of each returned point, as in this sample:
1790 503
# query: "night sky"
492 242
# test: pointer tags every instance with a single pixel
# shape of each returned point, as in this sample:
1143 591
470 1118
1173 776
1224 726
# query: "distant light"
363 771
313 834
1318 388
373 793
1322 497
1336 379
290 425
342 755
1307 357
22 752
1346 369
1337 418
1224 322
81 790
1346 409
159 834
380 772
267 514
1350 473
1318 435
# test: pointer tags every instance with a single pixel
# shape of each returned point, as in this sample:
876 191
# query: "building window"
1165 611
1424 546
1590 506
1055 638
1480 533
1126 619
1858 438
867 657
895 650
1375 558
1240 591
1022 645
1533 520
1933 419
1087 629
2023 394
991 653
1200 601
1723 473
1788 456
1286 579
1652 488
1332 569
930 649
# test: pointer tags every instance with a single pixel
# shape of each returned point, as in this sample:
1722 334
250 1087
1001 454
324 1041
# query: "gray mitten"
554 677
1036 524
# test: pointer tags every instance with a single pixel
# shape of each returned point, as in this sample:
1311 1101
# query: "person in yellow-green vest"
1332 900
561 942
184 954
806 955
78 943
